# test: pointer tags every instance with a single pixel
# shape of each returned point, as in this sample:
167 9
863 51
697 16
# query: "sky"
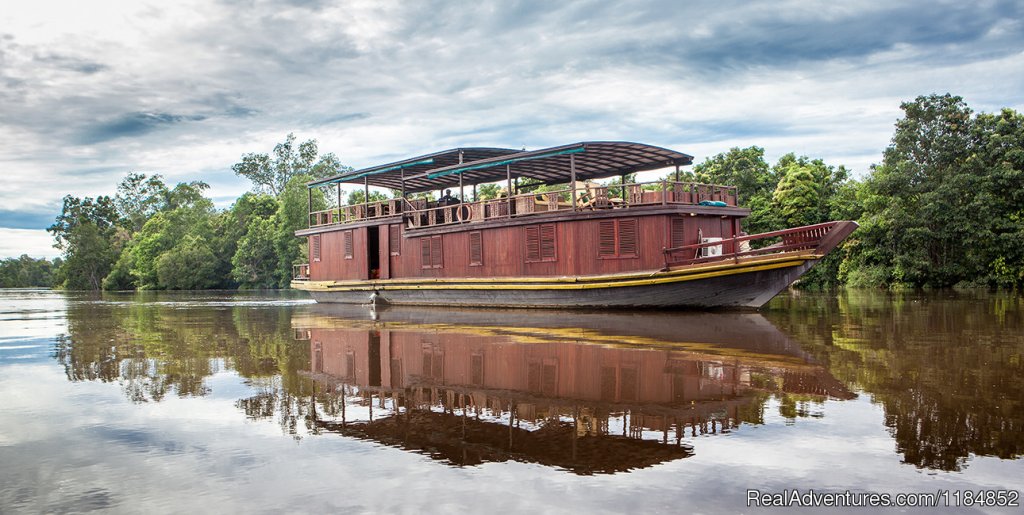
90 91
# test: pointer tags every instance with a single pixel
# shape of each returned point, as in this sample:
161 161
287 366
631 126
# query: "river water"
267 402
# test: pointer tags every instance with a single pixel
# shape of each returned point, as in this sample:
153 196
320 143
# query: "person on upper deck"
448 199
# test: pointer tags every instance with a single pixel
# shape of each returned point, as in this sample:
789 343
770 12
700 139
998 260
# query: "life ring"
463 208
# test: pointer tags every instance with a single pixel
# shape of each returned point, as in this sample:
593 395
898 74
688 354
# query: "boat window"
617 238
476 249
678 236
314 247
430 252
540 243
348 244
395 239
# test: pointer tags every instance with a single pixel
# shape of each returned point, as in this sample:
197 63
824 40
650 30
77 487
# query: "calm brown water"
269 403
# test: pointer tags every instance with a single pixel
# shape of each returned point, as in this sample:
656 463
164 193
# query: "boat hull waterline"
744 284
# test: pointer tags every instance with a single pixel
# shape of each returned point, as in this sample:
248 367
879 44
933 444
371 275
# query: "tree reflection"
946 367
154 350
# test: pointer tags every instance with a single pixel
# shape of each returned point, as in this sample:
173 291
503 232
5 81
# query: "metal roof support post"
622 186
572 179
309 211
403 182
366 190
462 196
677 173
508 179
339 201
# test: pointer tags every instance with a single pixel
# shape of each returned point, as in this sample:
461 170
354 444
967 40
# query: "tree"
189 265
923 219
86 232
140 197
89 256
100 212
255 263
272 173
25 271
359 197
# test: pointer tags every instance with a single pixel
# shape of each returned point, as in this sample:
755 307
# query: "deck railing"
355 212
300 272
589 196
809 237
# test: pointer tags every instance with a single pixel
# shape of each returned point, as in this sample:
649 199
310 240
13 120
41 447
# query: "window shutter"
425 252
395 239
476 249
547 242
606 239
314 243
533 243
627 237
677 238
348 244
435 252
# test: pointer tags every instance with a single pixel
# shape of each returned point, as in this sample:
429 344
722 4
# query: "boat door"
373 252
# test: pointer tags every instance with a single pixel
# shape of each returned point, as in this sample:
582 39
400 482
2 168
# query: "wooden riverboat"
666 244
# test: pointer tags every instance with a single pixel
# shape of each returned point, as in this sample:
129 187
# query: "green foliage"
189 265
359 197
88 257
25 271
139 198
945 205
292 216
86 232
255 263
487 191
272 173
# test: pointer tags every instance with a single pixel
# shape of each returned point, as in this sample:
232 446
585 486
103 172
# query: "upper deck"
565 173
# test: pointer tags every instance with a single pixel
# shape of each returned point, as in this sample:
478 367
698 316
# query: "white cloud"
36 243
90 93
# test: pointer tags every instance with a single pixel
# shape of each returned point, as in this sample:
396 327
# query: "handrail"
300 272
354 212
808 237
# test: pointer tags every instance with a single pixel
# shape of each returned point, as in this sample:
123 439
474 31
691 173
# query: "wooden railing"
356 212
810 237
421 213
588 196
300 272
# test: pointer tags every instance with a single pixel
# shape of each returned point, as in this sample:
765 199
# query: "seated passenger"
448 199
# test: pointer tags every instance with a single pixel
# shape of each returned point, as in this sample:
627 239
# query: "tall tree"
86 232
271 173
922 219
140 197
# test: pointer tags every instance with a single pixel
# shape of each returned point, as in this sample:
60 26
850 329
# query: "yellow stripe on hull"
559 283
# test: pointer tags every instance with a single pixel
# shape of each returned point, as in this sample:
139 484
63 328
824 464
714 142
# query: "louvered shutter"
627 238
476 249
435 252
606 239
547 242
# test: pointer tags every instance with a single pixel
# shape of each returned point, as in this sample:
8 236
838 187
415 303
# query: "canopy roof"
592 160
390 175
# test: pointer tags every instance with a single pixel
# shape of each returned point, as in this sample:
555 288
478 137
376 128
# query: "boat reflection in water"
614 392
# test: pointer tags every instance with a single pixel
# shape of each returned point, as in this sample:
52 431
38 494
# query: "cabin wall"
504 250
576 242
